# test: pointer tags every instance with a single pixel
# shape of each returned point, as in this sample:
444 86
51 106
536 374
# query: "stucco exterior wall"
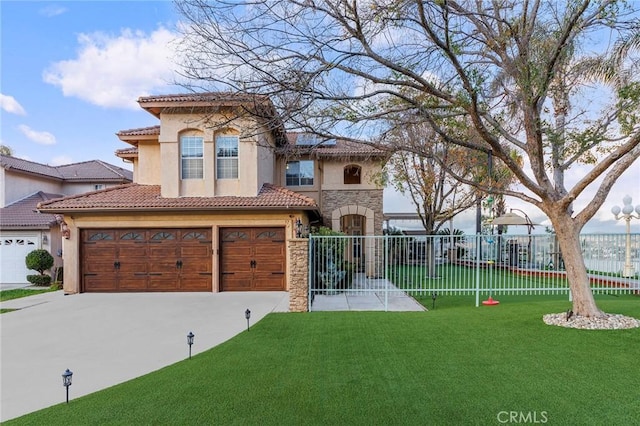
255 156
17 186
146 170
333 175
249 218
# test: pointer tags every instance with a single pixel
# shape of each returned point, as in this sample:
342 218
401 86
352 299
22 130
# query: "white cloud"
10 105
61 160
113 71
42 138
52 10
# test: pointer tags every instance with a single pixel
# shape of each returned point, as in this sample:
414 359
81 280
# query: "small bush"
56 285
39 260
39 280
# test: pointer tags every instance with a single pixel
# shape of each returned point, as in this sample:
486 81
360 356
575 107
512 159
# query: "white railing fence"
480 265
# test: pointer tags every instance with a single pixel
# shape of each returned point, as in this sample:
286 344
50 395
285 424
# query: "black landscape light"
247 315
190 337
66 381
434 296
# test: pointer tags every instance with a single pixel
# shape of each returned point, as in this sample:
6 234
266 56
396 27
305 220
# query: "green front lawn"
22 292
455 365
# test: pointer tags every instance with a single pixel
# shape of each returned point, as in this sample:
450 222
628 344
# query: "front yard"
455 365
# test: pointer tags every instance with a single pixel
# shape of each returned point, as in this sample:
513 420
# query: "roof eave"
169 209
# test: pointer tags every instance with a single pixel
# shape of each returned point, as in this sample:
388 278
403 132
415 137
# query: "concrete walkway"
367 294
106 339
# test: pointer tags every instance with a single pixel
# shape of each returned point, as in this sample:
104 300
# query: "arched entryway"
356 221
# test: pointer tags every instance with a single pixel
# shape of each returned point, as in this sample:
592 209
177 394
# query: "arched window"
352 174
227 147
191 155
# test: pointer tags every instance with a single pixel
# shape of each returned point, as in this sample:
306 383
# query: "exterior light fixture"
66 381
302 230
434 296
190 337
627 215
247 315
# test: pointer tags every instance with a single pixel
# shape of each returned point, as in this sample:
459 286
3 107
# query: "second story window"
191 157
299 173
227 157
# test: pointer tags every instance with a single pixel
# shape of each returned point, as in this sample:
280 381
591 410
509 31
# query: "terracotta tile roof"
127 152
208 97
147 197
22 214
341 148
141 131
87 171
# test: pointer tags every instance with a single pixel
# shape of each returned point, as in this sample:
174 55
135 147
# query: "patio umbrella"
513 219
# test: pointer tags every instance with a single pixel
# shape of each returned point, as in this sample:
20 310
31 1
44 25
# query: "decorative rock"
608 322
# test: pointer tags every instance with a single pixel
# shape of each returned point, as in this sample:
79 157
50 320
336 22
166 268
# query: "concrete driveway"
106 339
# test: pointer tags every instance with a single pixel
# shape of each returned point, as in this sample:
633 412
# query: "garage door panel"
147 260
193 266
236 281
252 259
270 265
133 282
264 281
133 251
162 251
98 283
162 282
97 252
196 282
203 251
100 268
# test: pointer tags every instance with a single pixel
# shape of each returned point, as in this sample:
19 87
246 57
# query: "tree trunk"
569 240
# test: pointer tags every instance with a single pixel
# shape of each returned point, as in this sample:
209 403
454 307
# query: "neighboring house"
219 191
24 184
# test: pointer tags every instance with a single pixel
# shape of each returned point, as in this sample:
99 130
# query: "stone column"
298 253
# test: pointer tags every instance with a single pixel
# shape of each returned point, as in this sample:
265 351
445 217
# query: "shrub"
39 260
39 280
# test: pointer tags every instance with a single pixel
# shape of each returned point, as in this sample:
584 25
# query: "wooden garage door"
252 259
120 260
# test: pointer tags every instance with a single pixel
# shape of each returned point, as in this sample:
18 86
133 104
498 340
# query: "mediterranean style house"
220 191
24 184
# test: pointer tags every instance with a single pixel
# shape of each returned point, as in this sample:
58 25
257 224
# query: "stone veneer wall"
370 198
298 252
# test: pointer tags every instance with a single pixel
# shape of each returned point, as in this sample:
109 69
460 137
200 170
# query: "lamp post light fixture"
66 381
247 315
190 337
627 215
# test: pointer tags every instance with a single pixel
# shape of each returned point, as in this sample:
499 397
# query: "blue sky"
71 72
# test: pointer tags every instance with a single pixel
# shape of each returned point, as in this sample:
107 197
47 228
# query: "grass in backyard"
454 365
22 292
457 277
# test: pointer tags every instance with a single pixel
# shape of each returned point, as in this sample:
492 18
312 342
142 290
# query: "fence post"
310 273
478 254
386 271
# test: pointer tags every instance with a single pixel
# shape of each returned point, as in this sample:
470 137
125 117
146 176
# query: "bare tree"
353 68
421 173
